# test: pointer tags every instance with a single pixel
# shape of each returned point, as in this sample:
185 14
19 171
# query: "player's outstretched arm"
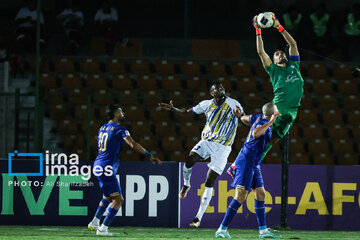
246 120
265 59
260 130
137 147
293 50
177 111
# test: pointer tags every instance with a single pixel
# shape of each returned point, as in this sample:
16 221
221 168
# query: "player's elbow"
255 134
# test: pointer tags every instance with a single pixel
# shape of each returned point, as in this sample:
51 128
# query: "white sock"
205 200
96 221
103 228
187 174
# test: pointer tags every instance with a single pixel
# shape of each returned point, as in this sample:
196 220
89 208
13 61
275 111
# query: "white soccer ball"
265 19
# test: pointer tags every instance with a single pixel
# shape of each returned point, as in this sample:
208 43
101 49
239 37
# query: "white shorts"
217 153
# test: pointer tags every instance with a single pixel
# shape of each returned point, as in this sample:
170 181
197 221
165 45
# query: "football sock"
110 216
267 149
230 213
187 174
101 209
260 214
205 200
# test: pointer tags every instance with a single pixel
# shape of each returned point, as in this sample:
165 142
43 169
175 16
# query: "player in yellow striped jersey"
218 135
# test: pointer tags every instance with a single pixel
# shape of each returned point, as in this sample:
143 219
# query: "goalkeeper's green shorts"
284 122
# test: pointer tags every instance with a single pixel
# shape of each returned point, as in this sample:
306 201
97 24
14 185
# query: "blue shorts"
247 174
109 185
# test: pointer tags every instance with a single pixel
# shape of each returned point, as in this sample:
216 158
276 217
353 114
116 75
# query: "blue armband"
294 58
148 154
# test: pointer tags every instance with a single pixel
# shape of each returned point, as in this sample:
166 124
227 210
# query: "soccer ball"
266 19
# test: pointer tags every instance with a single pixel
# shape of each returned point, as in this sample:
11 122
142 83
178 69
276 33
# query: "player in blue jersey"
248 175
111 138
216 139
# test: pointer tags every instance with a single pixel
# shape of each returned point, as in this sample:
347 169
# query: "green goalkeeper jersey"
287 84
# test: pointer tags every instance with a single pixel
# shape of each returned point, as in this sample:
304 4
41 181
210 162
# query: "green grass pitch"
60 232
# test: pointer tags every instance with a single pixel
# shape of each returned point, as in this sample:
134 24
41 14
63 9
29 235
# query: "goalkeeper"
286 80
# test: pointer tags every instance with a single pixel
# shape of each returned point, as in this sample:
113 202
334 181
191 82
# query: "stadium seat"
190 68
96 81
148 141
274 156
306 102
67 126
165 67
128 97
241 69
246 84
332 116
299 158
44 64
216 68
350 102
103 96
337 131
322 86
152 97
71 81
165 128
312 130
171 143
89 65
121 82
115 66
227 82
171 82
342 72
347 86
94 127
252 103
266 85
260 70
158 114
64 65
307 116
355 130
189 129
69 140
131 155
53 96
190 142
196 83
323 159
139 66
135 113
347 159
146 82
317 71
342 146
296 145
81 112
47 80
77 96
132 49
59 111
179 98
327 102
141 127
318 145
177 156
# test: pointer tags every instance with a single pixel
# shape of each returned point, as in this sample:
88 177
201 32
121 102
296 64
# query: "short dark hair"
216 84
110 110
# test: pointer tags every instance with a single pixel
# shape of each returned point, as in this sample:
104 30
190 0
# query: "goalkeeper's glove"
257 28
277 24
231 170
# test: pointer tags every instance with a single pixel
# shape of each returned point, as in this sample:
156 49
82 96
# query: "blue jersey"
110 141
253 148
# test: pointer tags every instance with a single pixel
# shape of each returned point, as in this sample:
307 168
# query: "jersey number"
103 140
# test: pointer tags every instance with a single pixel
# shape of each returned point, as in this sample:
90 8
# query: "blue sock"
101 209
230 213
110 216
260 214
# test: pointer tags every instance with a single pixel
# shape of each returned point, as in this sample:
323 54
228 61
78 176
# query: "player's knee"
240 195
191 160
210 182
260 194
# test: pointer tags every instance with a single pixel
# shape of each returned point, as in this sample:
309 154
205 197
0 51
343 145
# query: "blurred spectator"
25 33
352 30
72 21
106 20
292 19
320 32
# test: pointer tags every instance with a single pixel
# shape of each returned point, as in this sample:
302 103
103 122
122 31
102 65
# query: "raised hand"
167 106
274 116
155 159
237 112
